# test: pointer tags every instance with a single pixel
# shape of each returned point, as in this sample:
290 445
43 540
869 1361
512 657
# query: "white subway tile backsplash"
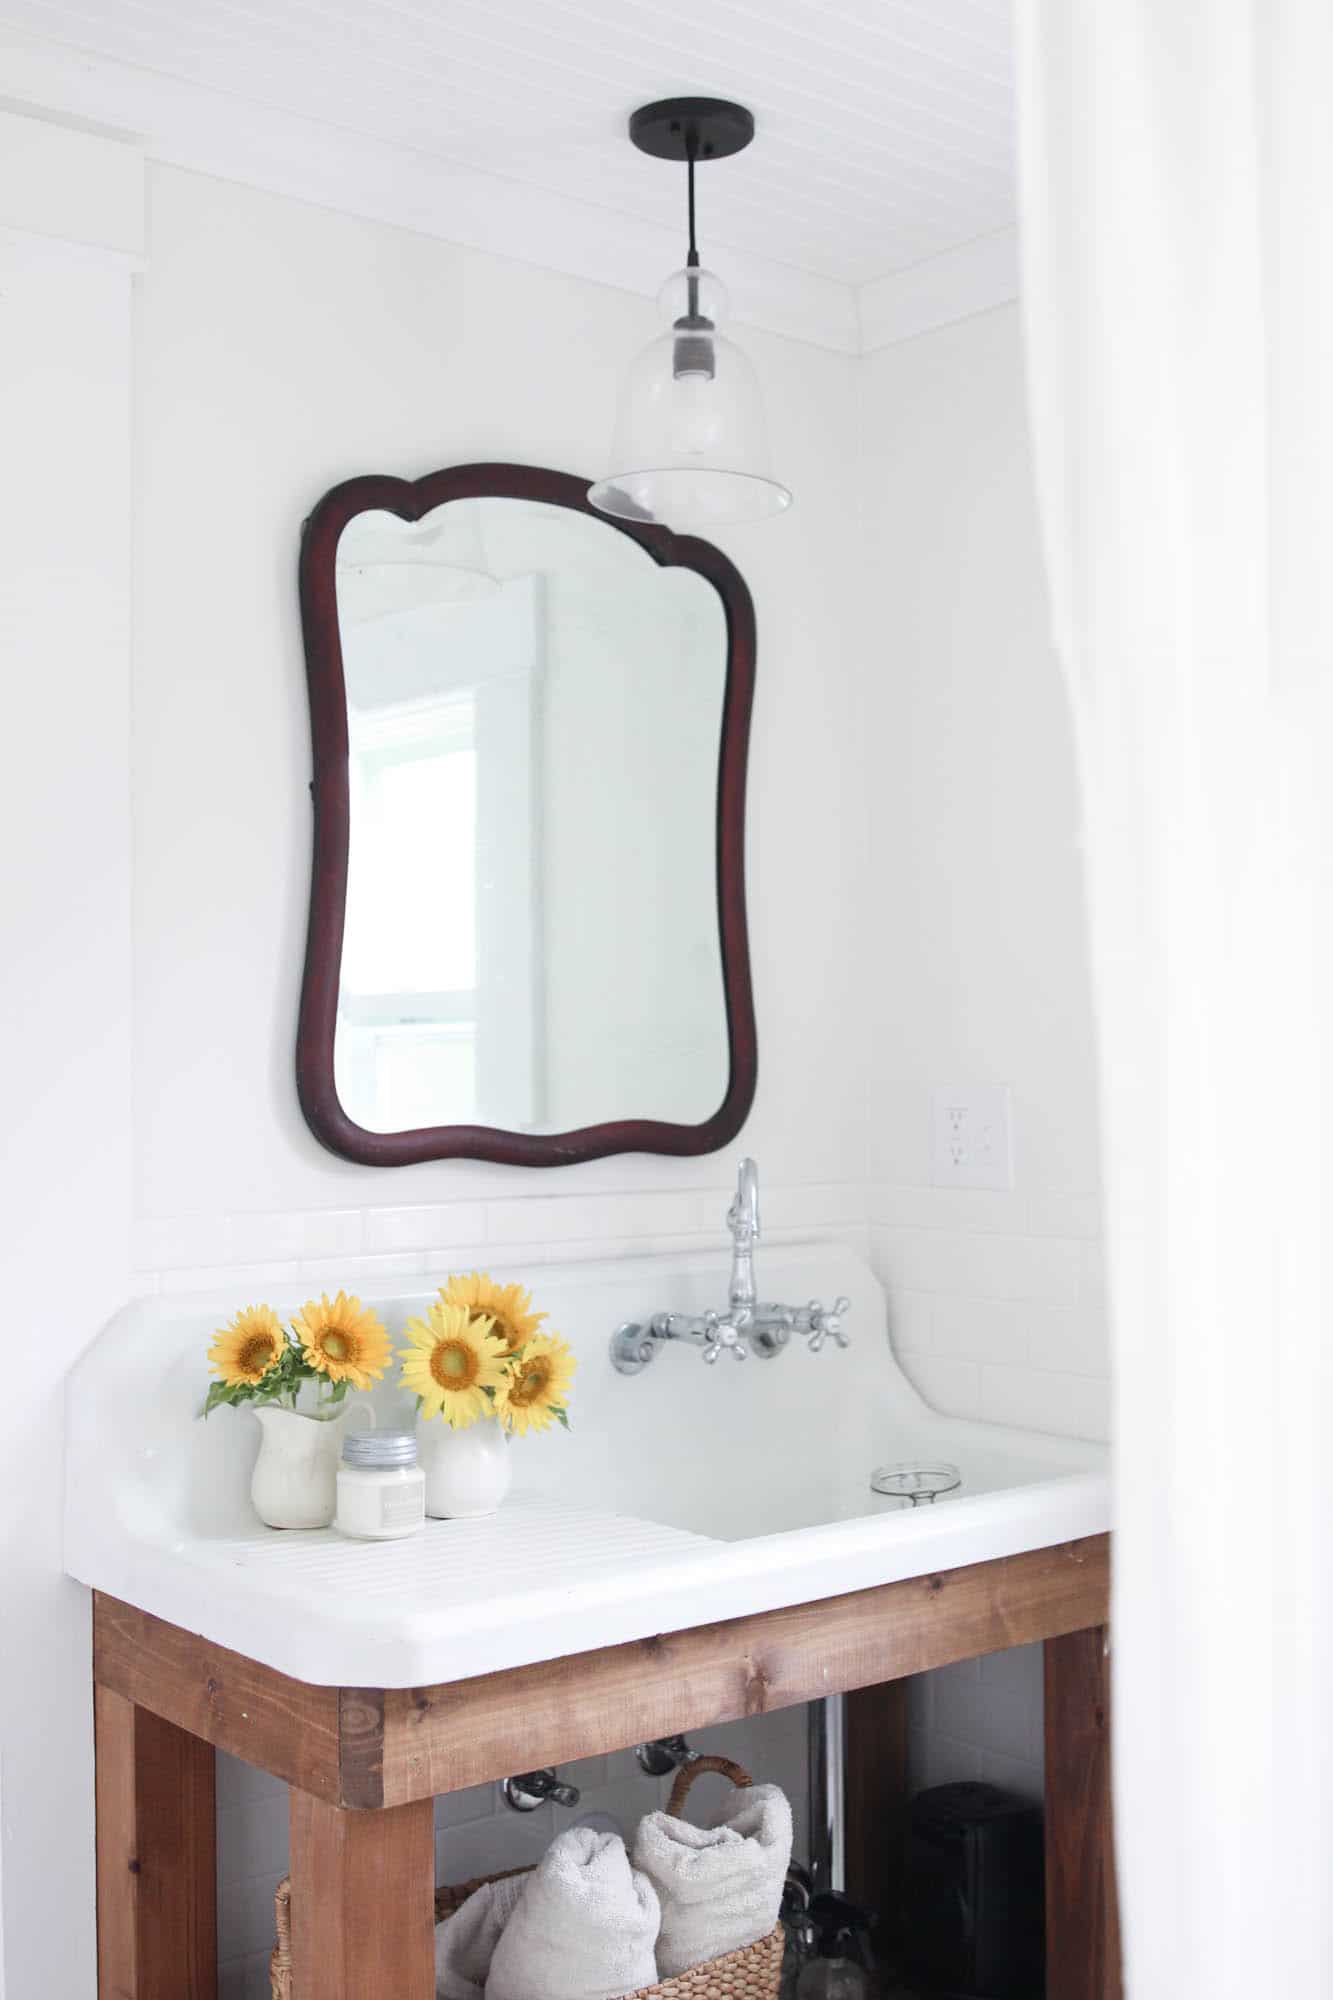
490 1846
1035 1399
1071 1339
167 1243
602 1218
267 1238
944 1760
1011 1710
240 1783
333 1232
991 1330
1003 1267
833 1206
1064 1215
390 1229
981 1211
245 1913
1012 1774
955 1693
245 1978
1092 1276
327 1274
463 1808
248 1283
980 1720
252 1839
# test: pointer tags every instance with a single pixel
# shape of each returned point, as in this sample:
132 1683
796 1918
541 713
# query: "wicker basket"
753 1973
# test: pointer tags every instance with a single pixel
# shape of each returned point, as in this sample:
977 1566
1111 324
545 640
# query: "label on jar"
401 1506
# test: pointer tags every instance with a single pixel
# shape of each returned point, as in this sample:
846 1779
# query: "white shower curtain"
1177 196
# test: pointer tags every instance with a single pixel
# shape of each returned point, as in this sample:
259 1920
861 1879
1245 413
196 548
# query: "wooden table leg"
156 1863
1082 1922
363 1901
876 1805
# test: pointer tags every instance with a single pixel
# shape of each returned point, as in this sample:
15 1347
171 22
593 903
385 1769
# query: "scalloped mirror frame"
316 1087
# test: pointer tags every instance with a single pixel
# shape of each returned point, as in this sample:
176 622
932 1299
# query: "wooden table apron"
366 1764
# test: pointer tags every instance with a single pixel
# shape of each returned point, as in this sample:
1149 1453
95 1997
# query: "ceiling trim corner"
67 188
953 286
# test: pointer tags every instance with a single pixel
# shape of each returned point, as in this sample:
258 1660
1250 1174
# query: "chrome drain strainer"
918 1482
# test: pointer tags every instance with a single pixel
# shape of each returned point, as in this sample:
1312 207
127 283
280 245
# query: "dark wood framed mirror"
530 725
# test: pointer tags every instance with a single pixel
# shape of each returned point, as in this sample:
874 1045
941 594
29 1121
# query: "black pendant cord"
691 154
692 258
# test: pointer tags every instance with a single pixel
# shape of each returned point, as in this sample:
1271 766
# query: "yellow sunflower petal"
244 1351
342 1339
454 1363
509 1307
539 1384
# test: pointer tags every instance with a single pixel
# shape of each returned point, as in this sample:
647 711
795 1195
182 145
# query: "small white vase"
295 1480
467 1472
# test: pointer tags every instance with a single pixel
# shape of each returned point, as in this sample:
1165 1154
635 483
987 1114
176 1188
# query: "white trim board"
182 124
70 190
953 286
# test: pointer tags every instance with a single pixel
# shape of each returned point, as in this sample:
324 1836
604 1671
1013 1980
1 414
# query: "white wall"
913 878
64 1055
978 971
978 968
282 348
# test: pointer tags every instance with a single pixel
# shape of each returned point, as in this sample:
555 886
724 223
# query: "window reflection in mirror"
533 711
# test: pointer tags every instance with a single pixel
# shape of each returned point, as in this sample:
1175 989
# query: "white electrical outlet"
972 1144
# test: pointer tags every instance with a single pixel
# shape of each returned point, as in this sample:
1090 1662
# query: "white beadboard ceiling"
884 126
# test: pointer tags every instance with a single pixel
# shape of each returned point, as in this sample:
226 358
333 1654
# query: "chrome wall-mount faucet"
747 1326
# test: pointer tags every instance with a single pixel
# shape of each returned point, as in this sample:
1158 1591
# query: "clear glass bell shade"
691 445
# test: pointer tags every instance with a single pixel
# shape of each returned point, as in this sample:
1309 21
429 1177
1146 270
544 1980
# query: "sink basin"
680 1496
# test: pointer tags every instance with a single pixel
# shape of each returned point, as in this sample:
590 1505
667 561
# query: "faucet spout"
743 1222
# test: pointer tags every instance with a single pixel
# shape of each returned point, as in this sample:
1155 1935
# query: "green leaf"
560 1414
225 1394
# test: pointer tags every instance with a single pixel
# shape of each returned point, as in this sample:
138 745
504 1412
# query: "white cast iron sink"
682 1495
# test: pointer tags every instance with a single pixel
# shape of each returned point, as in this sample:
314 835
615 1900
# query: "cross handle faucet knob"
826 1323
722 1336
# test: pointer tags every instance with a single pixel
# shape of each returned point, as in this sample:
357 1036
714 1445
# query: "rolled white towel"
583 1929
720 1887
465 1942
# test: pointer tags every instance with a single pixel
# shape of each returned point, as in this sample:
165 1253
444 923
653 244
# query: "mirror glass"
534 709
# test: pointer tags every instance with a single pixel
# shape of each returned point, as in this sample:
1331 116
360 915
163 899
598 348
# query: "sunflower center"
530 1383
336 1345
453 1364
257 1354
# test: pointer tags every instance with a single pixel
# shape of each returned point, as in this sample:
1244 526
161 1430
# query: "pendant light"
691 445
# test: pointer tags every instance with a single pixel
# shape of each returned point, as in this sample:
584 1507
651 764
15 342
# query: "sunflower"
343 1339
508 1307
245 1351
453 1360
538 1385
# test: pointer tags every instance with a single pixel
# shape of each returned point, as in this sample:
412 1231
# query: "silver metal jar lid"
380 1449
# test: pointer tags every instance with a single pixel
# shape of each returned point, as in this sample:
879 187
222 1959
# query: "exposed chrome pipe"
826 1754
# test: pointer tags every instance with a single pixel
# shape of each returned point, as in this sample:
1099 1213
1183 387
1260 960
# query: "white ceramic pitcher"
295 1480
468 1472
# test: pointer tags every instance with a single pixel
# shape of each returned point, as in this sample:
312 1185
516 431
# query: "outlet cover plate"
972 1136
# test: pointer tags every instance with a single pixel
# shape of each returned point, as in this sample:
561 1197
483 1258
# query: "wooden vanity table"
365 1764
